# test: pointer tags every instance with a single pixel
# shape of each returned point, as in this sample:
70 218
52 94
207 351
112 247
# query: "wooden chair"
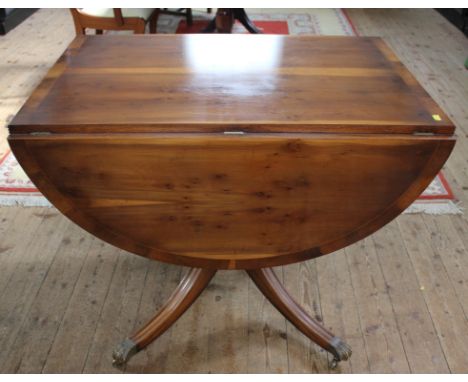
119 19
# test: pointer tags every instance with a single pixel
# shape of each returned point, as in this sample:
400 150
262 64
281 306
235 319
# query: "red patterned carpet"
268 27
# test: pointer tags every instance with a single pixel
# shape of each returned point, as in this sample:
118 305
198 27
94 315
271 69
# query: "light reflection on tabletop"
239 55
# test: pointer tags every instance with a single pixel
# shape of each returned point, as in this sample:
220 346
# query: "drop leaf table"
230 152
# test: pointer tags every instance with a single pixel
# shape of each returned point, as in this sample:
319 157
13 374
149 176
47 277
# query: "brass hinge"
40 133
423 133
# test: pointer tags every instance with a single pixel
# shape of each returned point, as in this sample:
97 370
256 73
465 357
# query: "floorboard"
399 297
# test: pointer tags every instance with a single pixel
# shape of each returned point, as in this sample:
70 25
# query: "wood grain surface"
140 151
214 200
232 327
217 83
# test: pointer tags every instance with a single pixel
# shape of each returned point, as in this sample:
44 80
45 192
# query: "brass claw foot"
195 282
340 350
124 352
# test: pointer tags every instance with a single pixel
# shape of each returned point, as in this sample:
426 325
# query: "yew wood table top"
199 83
230 151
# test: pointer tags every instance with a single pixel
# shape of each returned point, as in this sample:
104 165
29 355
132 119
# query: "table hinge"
40 133
233 132
423 133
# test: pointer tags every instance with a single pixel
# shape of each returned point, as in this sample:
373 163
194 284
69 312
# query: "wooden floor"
399 297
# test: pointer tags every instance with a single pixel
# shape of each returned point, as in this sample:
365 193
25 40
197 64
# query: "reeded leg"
271 287
186 293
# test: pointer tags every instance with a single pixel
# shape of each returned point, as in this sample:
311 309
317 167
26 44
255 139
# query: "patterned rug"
270 27
304 22
438 198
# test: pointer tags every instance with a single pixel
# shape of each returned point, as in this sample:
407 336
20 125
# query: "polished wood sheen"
203 196
214 83
190 287
225 201
271 287
234 152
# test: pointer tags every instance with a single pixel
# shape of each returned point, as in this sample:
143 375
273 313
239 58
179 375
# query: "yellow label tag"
436 117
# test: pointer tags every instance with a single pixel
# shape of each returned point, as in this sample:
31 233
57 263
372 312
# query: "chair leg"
224 20
153 22
244 19
190 287
189 17
79 28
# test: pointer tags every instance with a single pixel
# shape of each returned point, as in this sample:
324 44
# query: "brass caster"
124 352
340 350
333 363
